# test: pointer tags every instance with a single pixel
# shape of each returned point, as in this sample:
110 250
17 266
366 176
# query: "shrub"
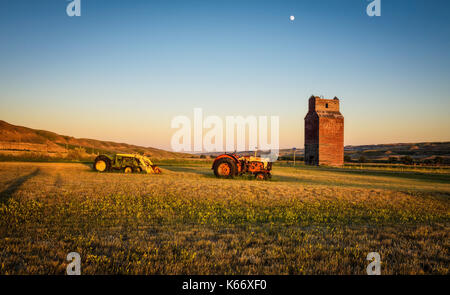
438 160
407 160
392 160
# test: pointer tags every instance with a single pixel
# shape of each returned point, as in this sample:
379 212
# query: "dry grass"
304 221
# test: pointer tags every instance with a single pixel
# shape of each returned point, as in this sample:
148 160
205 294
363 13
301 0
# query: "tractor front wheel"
102 164
225 168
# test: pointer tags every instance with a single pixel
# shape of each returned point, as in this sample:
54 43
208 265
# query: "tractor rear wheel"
128 170
102 164
225 168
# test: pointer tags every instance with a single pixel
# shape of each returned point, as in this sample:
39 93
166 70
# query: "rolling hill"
23 142
16 140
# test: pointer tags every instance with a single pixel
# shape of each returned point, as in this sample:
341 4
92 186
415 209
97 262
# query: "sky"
124 69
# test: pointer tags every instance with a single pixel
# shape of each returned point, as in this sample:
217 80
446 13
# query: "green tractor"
127 163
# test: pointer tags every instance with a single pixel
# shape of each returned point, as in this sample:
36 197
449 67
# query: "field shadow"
434 177
206 172
300 180
372 185
88 165
187 169
6 194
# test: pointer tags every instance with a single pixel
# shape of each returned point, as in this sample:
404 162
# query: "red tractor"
231 165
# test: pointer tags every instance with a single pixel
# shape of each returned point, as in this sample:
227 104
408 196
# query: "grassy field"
307 220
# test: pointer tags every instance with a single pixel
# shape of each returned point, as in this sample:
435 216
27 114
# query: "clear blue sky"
123 69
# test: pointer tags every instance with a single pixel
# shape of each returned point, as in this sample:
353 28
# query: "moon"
292 18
